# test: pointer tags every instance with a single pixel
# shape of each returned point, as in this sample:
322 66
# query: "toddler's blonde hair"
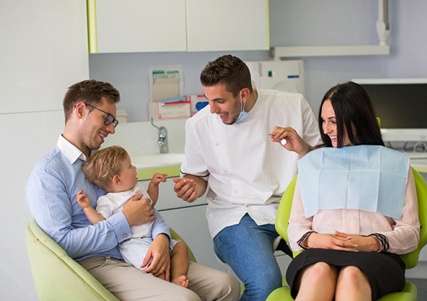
102 166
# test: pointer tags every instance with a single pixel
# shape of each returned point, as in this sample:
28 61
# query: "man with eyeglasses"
90 109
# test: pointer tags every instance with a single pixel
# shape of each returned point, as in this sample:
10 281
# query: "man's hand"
158 257
290 140
138 211
186 189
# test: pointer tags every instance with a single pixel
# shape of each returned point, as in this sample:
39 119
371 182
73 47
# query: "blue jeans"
248 249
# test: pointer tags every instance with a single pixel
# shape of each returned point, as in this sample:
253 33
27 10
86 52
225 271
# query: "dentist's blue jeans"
248 249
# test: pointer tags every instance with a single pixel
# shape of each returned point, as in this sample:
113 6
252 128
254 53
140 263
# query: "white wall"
25 138
43 50
409 40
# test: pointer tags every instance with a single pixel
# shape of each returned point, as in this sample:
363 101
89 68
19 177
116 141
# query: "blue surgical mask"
243 114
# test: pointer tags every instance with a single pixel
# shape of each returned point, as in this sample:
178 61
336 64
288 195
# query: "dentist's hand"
293 143
186 189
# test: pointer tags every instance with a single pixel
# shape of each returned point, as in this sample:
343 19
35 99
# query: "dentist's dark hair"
354 114
227 70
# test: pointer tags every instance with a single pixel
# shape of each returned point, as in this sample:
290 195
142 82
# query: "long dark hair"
354 113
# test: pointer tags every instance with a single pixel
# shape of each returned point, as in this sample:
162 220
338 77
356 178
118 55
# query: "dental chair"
58 277
409 292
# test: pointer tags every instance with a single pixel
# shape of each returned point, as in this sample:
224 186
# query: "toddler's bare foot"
181 280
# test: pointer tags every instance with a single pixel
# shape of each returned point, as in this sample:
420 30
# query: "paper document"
166 82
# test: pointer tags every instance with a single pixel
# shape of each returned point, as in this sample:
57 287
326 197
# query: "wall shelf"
313 51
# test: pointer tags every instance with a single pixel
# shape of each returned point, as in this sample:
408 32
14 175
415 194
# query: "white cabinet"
191 225
138 26
227 25
189 220
177 25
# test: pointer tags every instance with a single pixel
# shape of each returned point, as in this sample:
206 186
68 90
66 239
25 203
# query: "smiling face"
94 131
329 124
223 103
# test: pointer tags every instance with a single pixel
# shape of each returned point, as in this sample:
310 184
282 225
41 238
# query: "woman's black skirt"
385 271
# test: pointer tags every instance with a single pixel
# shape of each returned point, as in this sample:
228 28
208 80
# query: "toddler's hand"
158 178
83 199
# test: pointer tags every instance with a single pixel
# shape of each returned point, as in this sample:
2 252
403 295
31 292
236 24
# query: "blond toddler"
111 169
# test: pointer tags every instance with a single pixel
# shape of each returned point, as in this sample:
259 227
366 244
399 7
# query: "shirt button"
125 235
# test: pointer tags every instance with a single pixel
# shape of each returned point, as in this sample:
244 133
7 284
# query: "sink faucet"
162 140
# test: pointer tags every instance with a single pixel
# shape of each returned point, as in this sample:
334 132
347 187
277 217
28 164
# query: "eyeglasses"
109 119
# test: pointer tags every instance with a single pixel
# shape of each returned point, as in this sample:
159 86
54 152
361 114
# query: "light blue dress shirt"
51 197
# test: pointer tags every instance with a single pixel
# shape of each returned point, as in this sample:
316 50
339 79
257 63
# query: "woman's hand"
330 241
364 243
342 241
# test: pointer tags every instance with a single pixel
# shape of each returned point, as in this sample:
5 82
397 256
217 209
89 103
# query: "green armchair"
57 276
409 292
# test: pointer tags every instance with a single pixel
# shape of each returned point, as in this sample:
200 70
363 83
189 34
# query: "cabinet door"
138 26
191 225
227 25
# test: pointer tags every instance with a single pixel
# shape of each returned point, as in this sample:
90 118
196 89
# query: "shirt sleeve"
104 207
52 203
159 226
299 225
194 162
405 235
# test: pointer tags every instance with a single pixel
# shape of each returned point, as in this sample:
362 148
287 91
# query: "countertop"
147 165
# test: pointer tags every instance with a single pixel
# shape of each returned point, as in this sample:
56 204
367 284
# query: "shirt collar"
71 152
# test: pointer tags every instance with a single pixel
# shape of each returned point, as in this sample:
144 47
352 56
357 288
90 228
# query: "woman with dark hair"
354 208
354 114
